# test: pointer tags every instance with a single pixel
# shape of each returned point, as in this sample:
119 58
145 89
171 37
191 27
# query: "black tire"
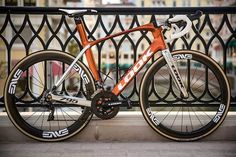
26 85
185 119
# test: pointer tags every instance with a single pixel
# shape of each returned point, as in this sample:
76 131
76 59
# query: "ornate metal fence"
27 29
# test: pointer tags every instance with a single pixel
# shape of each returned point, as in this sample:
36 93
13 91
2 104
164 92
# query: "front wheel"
185 119
29 82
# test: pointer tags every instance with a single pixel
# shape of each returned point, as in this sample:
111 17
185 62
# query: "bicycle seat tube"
88 53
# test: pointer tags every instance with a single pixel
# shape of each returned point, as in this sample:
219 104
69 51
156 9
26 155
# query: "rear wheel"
185 119
25 91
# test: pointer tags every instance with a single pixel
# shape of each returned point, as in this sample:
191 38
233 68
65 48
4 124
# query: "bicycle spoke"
80 112
43 119
197 79
69 116
175 118
197 117
190 119
40 80
182 120
38 85
205 113
58 122
64 117
203 84
37 81
167 114
37 119
32 114
193 74
159 74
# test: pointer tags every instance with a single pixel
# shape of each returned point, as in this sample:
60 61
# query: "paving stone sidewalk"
119 149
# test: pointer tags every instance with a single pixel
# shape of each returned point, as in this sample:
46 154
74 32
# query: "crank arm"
119 103
70 100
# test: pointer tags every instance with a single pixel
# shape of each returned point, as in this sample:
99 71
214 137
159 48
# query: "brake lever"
176 28
195 16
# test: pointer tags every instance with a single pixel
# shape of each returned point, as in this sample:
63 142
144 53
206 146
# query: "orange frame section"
157 45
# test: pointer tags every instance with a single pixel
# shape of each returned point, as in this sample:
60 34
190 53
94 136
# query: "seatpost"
84 40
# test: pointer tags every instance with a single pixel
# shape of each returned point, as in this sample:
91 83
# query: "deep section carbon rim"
185 118
25 93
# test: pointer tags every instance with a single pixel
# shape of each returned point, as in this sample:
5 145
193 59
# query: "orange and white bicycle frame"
158 44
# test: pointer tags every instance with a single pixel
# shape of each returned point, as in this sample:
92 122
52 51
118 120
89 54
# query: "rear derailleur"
46 99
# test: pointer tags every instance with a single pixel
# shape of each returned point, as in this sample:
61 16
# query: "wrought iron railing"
214 35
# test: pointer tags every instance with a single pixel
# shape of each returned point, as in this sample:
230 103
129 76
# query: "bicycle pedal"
129 104
50 117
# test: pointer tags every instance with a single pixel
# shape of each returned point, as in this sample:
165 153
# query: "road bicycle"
184 95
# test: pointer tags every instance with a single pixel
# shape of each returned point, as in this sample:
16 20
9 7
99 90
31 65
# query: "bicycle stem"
173 69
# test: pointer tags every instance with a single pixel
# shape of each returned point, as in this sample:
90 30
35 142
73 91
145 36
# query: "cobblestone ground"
119 149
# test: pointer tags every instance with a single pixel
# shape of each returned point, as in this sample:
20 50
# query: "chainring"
98 105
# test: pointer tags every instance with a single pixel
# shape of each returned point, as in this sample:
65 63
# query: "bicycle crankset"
101 109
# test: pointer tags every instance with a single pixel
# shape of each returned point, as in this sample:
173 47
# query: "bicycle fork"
173 69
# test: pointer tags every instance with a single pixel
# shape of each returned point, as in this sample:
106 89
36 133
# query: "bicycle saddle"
73 12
